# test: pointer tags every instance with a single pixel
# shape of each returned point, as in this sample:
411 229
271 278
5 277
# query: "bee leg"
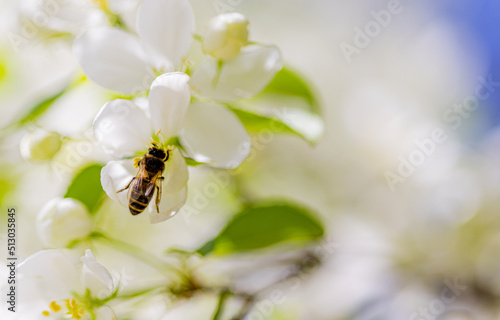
128 185
136 162
158 193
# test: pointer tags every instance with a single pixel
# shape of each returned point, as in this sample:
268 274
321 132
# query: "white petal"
174 189
105 313
176 173
242 77
96 277
122 128
114 59
115 176
170 204
166 27
168 101
212 131
53 271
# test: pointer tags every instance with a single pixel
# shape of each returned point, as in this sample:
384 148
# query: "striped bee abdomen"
139 197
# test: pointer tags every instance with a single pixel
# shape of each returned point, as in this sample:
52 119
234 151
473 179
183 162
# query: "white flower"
207 132
236 70
120 61
53 286
40 145
241 77
61 221
226 35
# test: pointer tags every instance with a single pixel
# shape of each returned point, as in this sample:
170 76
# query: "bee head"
158 153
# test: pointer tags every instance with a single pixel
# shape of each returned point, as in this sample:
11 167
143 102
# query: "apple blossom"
124 62
241 77
61 221
58 286
121 61
208 133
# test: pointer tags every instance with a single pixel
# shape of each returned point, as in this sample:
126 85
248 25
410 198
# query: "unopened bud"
63 220
226 35
40 145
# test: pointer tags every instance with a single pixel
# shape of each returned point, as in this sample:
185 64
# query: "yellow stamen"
54 306
75 314
68 306
102 4
74 309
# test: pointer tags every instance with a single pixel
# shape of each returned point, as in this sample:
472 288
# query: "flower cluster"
177 100
185 108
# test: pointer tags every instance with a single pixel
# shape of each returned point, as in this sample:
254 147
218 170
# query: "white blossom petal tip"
169 99
170 204
96 277
166 28
115 176
122 128
213 132
114 59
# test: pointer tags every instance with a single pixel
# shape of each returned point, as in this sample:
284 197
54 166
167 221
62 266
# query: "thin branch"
220 305
140 254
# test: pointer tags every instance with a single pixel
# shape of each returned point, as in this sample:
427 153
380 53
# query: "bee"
148 180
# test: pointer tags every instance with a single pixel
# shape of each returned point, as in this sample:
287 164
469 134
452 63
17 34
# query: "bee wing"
151 187
135 186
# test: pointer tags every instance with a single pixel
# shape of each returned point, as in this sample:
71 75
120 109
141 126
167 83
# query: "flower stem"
218 71
220 305
245 309
197 37
138 293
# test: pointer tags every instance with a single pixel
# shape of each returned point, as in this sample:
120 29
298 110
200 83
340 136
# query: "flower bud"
226 35
40 145
61 221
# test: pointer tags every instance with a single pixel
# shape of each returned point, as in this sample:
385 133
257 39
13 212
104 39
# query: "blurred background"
406 179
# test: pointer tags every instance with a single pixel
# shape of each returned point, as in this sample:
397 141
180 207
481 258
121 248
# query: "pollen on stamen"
46 313
68 305
54 306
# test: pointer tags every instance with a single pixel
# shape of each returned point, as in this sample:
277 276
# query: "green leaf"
86 187
257 122
305 125
192 162
289 82
264 226
44 105
286 105
39 108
